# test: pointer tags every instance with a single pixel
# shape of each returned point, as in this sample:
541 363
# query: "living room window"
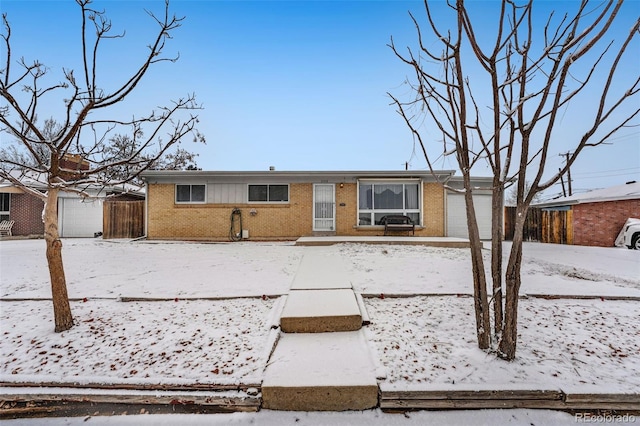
190 193
5 201
379 199
268 193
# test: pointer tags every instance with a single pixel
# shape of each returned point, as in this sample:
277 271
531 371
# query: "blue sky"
299 85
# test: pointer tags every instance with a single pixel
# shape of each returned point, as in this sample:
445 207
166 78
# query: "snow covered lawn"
98 268
419 341
177 342
350 418
429 343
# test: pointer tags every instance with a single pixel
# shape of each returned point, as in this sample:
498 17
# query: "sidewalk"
322 360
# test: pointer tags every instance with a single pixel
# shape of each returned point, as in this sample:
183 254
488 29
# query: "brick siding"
598 224
26 210
433 210
212 221
167 220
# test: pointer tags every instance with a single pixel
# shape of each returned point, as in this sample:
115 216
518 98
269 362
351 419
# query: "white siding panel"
226 193
457 215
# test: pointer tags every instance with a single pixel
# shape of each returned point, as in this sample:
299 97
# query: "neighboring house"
598 216
284 205
24 209
77 216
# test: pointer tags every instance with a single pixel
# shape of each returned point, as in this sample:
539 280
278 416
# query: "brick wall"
434 211
26 210
347 214
212 221
598 224
166 220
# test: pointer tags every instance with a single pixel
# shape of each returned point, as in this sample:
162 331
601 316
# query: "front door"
324 207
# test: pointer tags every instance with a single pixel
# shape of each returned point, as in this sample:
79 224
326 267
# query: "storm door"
324 207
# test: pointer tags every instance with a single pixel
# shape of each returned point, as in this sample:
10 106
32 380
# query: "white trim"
446 213
421 202
146 210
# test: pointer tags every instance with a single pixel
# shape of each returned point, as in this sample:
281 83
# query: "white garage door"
457 215
79 219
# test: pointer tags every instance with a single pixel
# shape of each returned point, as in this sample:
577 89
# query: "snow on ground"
183 342
408 269
597 264
104 269
429 343
98 268
418 341
360 418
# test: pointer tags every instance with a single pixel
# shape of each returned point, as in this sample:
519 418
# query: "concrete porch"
450 242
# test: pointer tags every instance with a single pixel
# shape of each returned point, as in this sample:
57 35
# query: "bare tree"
507 113
88 116
511 198
121 147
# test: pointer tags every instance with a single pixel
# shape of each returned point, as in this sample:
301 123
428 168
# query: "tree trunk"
61 307
508 343
481 304
497 218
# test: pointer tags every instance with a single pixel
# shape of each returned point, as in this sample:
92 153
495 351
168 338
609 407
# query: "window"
5 200
268 193
376 200
190 193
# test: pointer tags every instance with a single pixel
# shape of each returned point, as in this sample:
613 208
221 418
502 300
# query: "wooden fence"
123 219
545 226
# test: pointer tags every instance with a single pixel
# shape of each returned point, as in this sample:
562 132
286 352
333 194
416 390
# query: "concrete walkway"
321 361
450 242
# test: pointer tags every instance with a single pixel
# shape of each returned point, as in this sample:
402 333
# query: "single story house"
285 205
77 216
24 209
598 215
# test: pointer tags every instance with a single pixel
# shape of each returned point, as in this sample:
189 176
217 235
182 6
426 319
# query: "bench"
398 223
5 227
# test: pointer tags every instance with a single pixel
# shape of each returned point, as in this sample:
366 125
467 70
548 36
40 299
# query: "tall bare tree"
507 113
88 116
123 146
511 198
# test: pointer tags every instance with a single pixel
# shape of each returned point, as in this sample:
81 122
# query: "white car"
629 235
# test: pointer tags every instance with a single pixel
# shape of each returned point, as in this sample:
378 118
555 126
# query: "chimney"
71 164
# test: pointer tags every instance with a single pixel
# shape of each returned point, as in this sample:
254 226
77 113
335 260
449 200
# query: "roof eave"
273 173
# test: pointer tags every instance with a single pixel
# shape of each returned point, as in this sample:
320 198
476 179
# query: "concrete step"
320 372
321 311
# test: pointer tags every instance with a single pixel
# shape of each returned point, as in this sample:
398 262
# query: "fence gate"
545 226
123 219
